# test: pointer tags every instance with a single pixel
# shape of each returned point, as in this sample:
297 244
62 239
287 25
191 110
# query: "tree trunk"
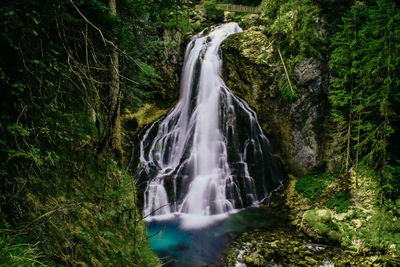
358 146
114 136
348 141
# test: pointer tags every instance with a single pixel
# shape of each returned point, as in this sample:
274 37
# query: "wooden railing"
239 8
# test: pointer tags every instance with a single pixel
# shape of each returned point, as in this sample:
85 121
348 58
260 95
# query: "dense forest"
361 49
68 69
72 73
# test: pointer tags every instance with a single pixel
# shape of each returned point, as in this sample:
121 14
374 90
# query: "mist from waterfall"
208 157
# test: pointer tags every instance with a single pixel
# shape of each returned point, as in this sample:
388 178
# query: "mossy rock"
320 228
255 259
315 222
147 114
334 236
317 216
318 223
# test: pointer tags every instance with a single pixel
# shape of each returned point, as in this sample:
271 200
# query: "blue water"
178 246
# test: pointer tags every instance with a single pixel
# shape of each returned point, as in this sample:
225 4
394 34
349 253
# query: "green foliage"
89 210
312 185
381 231
320 216
60 188
320 221
287 93
297 30
365 61
341 201
343 96
213 13
15 252
320 228
180 20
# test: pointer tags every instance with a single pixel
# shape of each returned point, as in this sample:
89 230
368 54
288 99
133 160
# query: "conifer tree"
344 61
380 69
365 61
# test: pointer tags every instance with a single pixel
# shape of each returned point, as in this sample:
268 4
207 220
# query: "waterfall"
209 155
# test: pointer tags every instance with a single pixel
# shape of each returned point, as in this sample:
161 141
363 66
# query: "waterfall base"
188 221
179 242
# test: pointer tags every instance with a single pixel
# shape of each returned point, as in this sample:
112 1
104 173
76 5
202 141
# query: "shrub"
15 252
213 13
341 202
312 185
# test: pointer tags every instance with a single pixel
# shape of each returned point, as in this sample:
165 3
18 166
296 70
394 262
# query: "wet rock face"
309 73
169 67
295 129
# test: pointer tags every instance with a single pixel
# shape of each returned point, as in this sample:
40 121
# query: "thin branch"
126 78
156 233
88 21
106 41
286 72
151 213
19 116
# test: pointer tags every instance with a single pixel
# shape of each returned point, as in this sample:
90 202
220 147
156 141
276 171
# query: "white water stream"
208 156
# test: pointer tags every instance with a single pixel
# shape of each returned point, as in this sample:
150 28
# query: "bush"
382 231
312 185
15 252
213 13
341 202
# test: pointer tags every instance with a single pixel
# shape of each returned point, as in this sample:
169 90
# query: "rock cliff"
295 128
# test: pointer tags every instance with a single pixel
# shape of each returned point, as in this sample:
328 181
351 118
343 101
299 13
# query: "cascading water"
208 155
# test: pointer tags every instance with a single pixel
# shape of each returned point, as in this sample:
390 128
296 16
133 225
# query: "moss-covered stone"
354 229
318 224
317 215
255 259
286 247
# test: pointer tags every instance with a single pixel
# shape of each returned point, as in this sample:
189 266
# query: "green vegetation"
341 201
365 93
312 185
359 40
296 32
283 245
381 231
14 252
320 221
354 218
376 230
69 70
212 12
